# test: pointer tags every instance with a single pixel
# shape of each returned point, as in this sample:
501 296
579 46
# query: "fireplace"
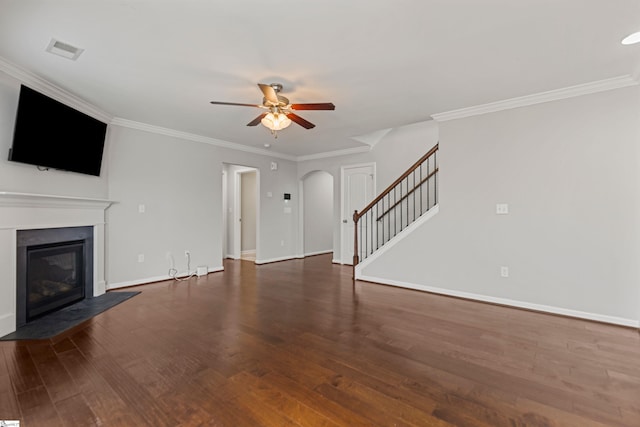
54 270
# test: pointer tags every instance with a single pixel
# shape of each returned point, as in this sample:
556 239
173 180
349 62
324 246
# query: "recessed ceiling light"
64 49
631 38
267 145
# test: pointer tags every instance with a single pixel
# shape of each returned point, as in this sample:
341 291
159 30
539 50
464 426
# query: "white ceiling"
382 63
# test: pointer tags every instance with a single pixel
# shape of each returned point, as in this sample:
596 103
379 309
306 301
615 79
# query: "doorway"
241 204
317 216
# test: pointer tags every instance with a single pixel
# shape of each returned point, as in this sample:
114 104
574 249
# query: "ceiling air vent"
64 49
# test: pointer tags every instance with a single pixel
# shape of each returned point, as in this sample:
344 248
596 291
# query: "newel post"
356 258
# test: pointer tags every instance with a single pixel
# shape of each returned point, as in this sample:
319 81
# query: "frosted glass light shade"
276 121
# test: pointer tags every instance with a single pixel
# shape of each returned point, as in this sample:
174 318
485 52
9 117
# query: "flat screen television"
50 134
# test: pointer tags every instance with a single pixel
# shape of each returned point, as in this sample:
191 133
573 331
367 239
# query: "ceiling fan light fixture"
276 121
631 38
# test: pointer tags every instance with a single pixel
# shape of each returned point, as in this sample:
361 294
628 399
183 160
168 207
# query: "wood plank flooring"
295 343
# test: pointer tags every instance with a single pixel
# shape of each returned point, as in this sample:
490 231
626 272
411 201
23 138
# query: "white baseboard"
248 252
267 261
318 253
156 279
508 302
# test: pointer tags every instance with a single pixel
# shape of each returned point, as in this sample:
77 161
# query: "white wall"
569 171
400 149
177 184
180 184
318 212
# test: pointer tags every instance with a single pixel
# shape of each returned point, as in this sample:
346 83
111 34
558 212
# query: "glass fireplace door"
55 277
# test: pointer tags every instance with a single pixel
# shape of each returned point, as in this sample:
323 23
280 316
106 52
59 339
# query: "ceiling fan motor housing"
282 102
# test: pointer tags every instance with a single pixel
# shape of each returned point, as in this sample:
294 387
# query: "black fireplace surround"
54 270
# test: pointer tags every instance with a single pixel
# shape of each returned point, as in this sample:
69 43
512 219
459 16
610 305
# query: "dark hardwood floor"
296 344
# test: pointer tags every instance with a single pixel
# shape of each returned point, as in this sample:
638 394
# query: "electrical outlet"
140 257
502 209
281 242
504 271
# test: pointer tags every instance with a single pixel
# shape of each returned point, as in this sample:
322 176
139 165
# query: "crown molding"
38 83
539 98
337 153
196 138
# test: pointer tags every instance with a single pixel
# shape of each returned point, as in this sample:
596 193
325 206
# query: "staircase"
409 197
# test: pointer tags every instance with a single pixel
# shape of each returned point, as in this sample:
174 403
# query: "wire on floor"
173 272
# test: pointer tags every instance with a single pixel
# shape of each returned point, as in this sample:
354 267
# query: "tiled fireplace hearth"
20 212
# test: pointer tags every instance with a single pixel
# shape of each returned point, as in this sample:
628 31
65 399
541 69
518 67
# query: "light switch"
141 208
287 209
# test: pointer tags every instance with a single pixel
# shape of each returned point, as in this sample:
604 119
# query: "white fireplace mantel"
10 198
24 211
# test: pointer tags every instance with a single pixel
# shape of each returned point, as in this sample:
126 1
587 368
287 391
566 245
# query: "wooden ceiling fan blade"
269 93
314 106
257 120
299 120
235 103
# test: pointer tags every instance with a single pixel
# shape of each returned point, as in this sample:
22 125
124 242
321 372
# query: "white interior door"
358 190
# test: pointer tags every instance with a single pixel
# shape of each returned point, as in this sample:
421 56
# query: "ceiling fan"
279 113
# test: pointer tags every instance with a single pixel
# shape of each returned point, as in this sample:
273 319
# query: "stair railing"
404 201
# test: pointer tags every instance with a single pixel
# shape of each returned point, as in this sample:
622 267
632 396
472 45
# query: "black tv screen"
53 135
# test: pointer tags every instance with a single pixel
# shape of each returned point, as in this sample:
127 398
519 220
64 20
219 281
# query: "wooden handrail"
425 179
396 182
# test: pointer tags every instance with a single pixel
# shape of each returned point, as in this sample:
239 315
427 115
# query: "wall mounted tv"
50 134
